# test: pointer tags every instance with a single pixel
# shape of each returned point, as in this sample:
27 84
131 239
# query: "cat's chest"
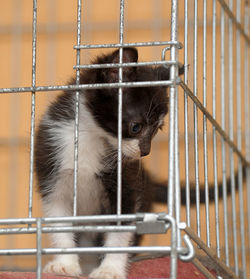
90 148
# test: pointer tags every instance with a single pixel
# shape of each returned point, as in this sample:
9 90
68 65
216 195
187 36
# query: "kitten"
144 110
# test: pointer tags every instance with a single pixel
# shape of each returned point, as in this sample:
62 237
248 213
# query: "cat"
144 109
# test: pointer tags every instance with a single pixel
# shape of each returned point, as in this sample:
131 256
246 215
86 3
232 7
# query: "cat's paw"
63 268
107 272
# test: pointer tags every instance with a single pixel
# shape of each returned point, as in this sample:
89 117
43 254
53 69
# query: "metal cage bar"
39 249
223 150
196 152
231 130
188 219
214 134
119 160
205 120
173 174
77 99
33 104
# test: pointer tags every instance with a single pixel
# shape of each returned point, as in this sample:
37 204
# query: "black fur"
143 105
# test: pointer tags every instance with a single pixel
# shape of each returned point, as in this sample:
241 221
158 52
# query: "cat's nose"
145 147
144 153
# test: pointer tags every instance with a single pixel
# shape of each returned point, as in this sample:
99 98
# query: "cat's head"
143 109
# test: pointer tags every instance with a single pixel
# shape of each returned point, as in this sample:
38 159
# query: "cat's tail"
161 190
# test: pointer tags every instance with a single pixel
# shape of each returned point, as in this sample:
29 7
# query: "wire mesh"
210 137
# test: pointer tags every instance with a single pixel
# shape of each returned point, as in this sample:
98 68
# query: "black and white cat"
144 110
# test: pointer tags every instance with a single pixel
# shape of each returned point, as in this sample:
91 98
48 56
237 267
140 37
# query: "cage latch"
151 225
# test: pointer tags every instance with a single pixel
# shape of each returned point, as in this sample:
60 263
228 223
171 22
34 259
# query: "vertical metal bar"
214 136
177 168
231 132
239 140
173 255
223 150
172 133
176 145
186 116
39 249
171 164
119 170
177 173
247 115
33 107
171 152
76 133
196 154
205 120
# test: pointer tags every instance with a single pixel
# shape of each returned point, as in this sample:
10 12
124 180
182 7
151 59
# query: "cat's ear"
163 73
112 74
130 54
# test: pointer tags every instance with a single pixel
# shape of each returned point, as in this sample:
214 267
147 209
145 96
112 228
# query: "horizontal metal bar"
142 44
215 124
85 86
93 228
74 219
124 65
234 20
92 250
83 219
61 229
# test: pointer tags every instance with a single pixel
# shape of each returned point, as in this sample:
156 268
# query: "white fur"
64 265
130 147
91 144
59 202
113 266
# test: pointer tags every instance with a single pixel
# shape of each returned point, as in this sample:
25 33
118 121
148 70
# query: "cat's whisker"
148 112
110 161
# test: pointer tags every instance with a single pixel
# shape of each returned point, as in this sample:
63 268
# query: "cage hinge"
151 225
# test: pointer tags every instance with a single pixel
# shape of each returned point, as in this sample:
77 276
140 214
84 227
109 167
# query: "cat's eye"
135 128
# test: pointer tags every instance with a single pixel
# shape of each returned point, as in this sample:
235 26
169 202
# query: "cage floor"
153 268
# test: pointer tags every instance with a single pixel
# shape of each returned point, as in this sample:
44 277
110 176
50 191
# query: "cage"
203 152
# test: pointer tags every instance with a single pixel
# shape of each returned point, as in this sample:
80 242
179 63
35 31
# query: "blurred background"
145 20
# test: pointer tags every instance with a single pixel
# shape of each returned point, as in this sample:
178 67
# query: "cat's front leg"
113 266
61 264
